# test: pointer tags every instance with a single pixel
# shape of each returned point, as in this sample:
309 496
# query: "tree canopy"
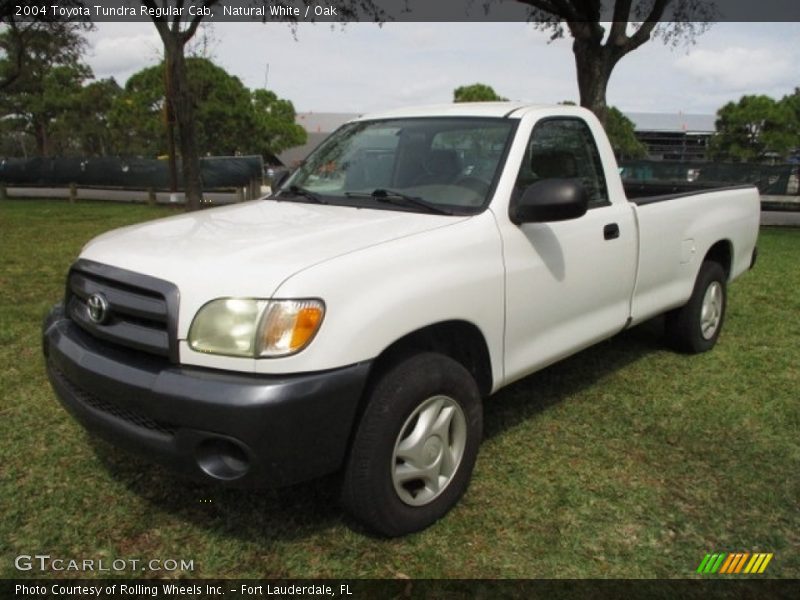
58 109
621 134
223 117
757 128
21 40
276 129
41 98
229 119
477 92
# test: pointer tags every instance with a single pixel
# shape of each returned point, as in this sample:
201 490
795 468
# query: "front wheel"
415 447
695 326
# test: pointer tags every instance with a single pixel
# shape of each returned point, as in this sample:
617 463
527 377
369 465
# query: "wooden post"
151 196
255 187
73 193
3 193
239 194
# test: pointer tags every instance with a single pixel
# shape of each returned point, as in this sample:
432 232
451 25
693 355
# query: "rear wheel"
415 447
695 326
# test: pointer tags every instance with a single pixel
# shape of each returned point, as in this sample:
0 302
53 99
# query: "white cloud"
123 52
738 68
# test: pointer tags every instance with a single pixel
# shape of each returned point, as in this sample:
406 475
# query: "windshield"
440 165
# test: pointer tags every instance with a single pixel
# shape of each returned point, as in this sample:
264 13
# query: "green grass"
627 460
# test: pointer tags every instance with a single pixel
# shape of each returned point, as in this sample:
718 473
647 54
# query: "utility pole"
266 78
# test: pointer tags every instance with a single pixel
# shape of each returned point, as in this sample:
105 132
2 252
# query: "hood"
249 249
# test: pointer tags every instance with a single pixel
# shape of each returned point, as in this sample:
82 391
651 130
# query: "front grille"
140 311
109 408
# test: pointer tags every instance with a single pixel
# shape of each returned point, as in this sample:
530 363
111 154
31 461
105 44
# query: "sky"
363 67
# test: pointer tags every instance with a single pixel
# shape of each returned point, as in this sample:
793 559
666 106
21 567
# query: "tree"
792 102
57 104
91 123
136 117
17 37
220 104
229 119
224 121
622 135
276 129
755 128
477 92
45 91
634 22
175 32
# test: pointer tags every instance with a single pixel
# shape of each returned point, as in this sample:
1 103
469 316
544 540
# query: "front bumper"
235 428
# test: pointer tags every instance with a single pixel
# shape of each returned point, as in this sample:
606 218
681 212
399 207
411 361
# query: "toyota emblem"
98 308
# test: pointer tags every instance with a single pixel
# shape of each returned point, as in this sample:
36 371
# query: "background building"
674 136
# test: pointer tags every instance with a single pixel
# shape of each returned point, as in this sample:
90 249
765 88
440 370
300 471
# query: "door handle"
611 231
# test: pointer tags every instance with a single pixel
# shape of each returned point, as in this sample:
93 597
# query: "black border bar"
439 589
431 11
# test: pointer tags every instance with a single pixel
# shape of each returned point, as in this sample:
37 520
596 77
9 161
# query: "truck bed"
648 192
674 236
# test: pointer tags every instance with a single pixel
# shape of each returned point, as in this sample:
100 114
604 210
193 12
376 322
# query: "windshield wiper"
391 196
298 191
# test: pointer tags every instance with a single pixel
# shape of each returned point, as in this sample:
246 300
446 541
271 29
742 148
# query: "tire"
424 410
695 327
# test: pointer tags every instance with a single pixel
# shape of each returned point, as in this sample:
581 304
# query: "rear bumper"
241 429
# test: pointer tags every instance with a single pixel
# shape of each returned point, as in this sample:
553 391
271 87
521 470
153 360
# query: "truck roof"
460 109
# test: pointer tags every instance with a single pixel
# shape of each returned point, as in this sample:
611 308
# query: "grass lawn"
627 460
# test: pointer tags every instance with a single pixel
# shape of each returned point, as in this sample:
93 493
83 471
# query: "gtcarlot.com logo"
46 562
734 563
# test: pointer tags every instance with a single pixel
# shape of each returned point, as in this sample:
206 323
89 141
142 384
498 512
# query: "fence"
772 180
241 173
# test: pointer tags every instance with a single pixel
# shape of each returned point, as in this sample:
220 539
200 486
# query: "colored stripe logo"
734 563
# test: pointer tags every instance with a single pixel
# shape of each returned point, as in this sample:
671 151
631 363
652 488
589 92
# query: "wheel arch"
721 253
460 340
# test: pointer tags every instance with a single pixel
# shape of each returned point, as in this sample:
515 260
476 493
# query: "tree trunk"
169 123
183 107
42 139
594 63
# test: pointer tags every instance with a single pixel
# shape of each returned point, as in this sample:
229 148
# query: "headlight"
253 327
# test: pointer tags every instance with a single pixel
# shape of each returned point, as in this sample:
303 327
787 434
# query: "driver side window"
564 148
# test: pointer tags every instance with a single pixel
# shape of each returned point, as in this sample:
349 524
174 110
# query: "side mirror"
549 200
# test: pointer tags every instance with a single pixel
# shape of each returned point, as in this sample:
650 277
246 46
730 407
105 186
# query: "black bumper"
234 428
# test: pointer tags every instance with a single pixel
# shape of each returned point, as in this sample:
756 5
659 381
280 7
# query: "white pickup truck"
417 262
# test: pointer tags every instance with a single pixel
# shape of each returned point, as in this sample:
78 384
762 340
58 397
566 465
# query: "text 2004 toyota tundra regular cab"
417 262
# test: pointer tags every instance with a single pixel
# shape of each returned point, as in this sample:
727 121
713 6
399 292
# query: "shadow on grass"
535 393
253 514
304 510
